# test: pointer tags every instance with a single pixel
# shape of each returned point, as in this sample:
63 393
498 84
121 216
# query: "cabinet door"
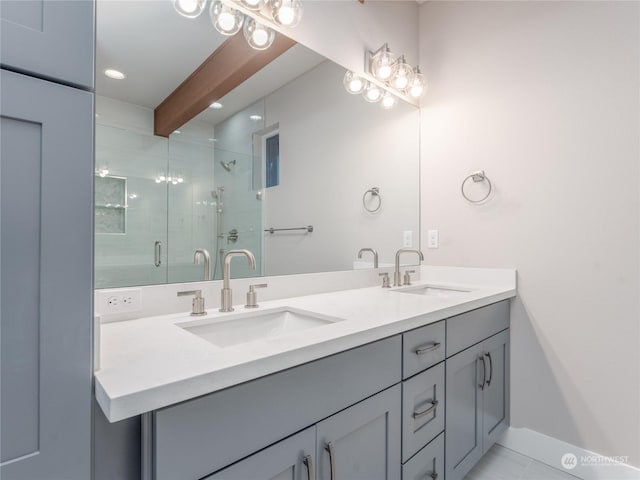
496 393
464 412
50 39
46 290
363 441
290 459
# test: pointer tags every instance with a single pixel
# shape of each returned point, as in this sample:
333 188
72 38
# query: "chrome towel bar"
308 228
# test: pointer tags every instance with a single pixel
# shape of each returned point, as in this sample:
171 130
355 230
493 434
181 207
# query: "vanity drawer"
422 348
428 462
474 326
423 409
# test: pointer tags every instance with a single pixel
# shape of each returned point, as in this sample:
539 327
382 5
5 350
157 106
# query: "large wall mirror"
288 150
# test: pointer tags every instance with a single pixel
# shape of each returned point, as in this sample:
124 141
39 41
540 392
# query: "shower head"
227 166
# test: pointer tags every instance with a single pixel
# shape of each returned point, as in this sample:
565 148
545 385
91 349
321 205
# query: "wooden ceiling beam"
226 68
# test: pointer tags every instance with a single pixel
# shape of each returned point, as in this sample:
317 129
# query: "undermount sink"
433 291
251 326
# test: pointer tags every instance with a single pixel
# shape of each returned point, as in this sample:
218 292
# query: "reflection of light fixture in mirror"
189 8
258 35
403 74
102 171
418 84
354 83
382 63
372 93
255 118
225 19
388 101
174 180
286 12
133 196
115 74
252 4
216 105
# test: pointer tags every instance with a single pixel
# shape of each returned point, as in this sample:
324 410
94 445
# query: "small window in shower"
272 159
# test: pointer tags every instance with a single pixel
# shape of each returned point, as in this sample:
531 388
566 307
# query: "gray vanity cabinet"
289 459
49 39
477 402
46 291
363 441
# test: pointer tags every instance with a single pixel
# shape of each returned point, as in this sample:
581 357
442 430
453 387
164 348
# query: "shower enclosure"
158 200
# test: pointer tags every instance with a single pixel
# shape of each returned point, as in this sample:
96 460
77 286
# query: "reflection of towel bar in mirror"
308 228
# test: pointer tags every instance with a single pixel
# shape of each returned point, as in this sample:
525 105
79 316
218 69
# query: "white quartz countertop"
152 362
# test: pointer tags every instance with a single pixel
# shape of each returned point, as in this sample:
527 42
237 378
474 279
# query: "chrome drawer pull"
427 349
332 461
429 410
308 462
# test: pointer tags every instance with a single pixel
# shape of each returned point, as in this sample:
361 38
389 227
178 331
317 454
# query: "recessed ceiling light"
115 74
216 105
177 132
255 117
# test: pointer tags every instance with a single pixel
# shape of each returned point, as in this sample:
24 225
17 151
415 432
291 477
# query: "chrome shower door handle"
157 252
484 373
332 460
308 462
490 368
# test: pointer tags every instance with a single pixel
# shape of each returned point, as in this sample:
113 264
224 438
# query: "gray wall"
544 97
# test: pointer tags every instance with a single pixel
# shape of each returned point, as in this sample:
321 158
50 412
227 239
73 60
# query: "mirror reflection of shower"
227 166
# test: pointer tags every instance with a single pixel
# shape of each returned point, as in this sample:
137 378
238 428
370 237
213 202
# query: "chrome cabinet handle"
157 260
308 462
427 349
332 460
490 369
429 410
484 373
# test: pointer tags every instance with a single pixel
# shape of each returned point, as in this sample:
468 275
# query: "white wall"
544 96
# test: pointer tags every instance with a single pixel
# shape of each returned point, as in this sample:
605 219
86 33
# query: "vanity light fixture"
115 74
189 8
382 63
372 93
225 19
257 34
403 74
354 83
418 84
229 20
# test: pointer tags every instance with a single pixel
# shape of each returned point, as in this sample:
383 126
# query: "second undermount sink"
251 326
433 291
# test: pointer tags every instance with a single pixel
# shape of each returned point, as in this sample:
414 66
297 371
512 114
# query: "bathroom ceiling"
157 49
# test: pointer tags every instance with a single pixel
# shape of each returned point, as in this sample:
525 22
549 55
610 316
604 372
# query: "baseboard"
577 461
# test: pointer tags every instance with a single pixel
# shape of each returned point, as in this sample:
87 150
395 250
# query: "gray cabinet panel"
46 217
474 326
366 440
423 409
428 462
464 412
266 410
422 348
50 39
282 461
496 394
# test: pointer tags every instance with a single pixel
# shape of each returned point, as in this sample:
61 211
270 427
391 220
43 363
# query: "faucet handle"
252 296
197 305
385 280
407 277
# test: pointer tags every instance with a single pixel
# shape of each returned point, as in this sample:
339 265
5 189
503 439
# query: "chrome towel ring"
477 177
373 192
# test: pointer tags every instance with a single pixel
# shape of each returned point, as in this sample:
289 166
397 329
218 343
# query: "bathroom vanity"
397 383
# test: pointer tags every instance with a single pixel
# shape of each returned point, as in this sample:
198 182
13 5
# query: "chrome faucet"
197 305
226 298
375 255
203 253
396 274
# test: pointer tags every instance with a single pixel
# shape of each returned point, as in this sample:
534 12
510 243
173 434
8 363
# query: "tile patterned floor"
503 464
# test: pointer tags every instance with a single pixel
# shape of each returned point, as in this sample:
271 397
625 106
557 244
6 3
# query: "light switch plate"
407 238
432 239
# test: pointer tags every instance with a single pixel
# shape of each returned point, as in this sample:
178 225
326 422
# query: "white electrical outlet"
407 238
432 239
120 301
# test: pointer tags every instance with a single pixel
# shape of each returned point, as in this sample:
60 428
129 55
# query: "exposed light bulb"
418 84
383 63
258 35
372 93
189 8
225 19
286 12
403 75
353 83
388 101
